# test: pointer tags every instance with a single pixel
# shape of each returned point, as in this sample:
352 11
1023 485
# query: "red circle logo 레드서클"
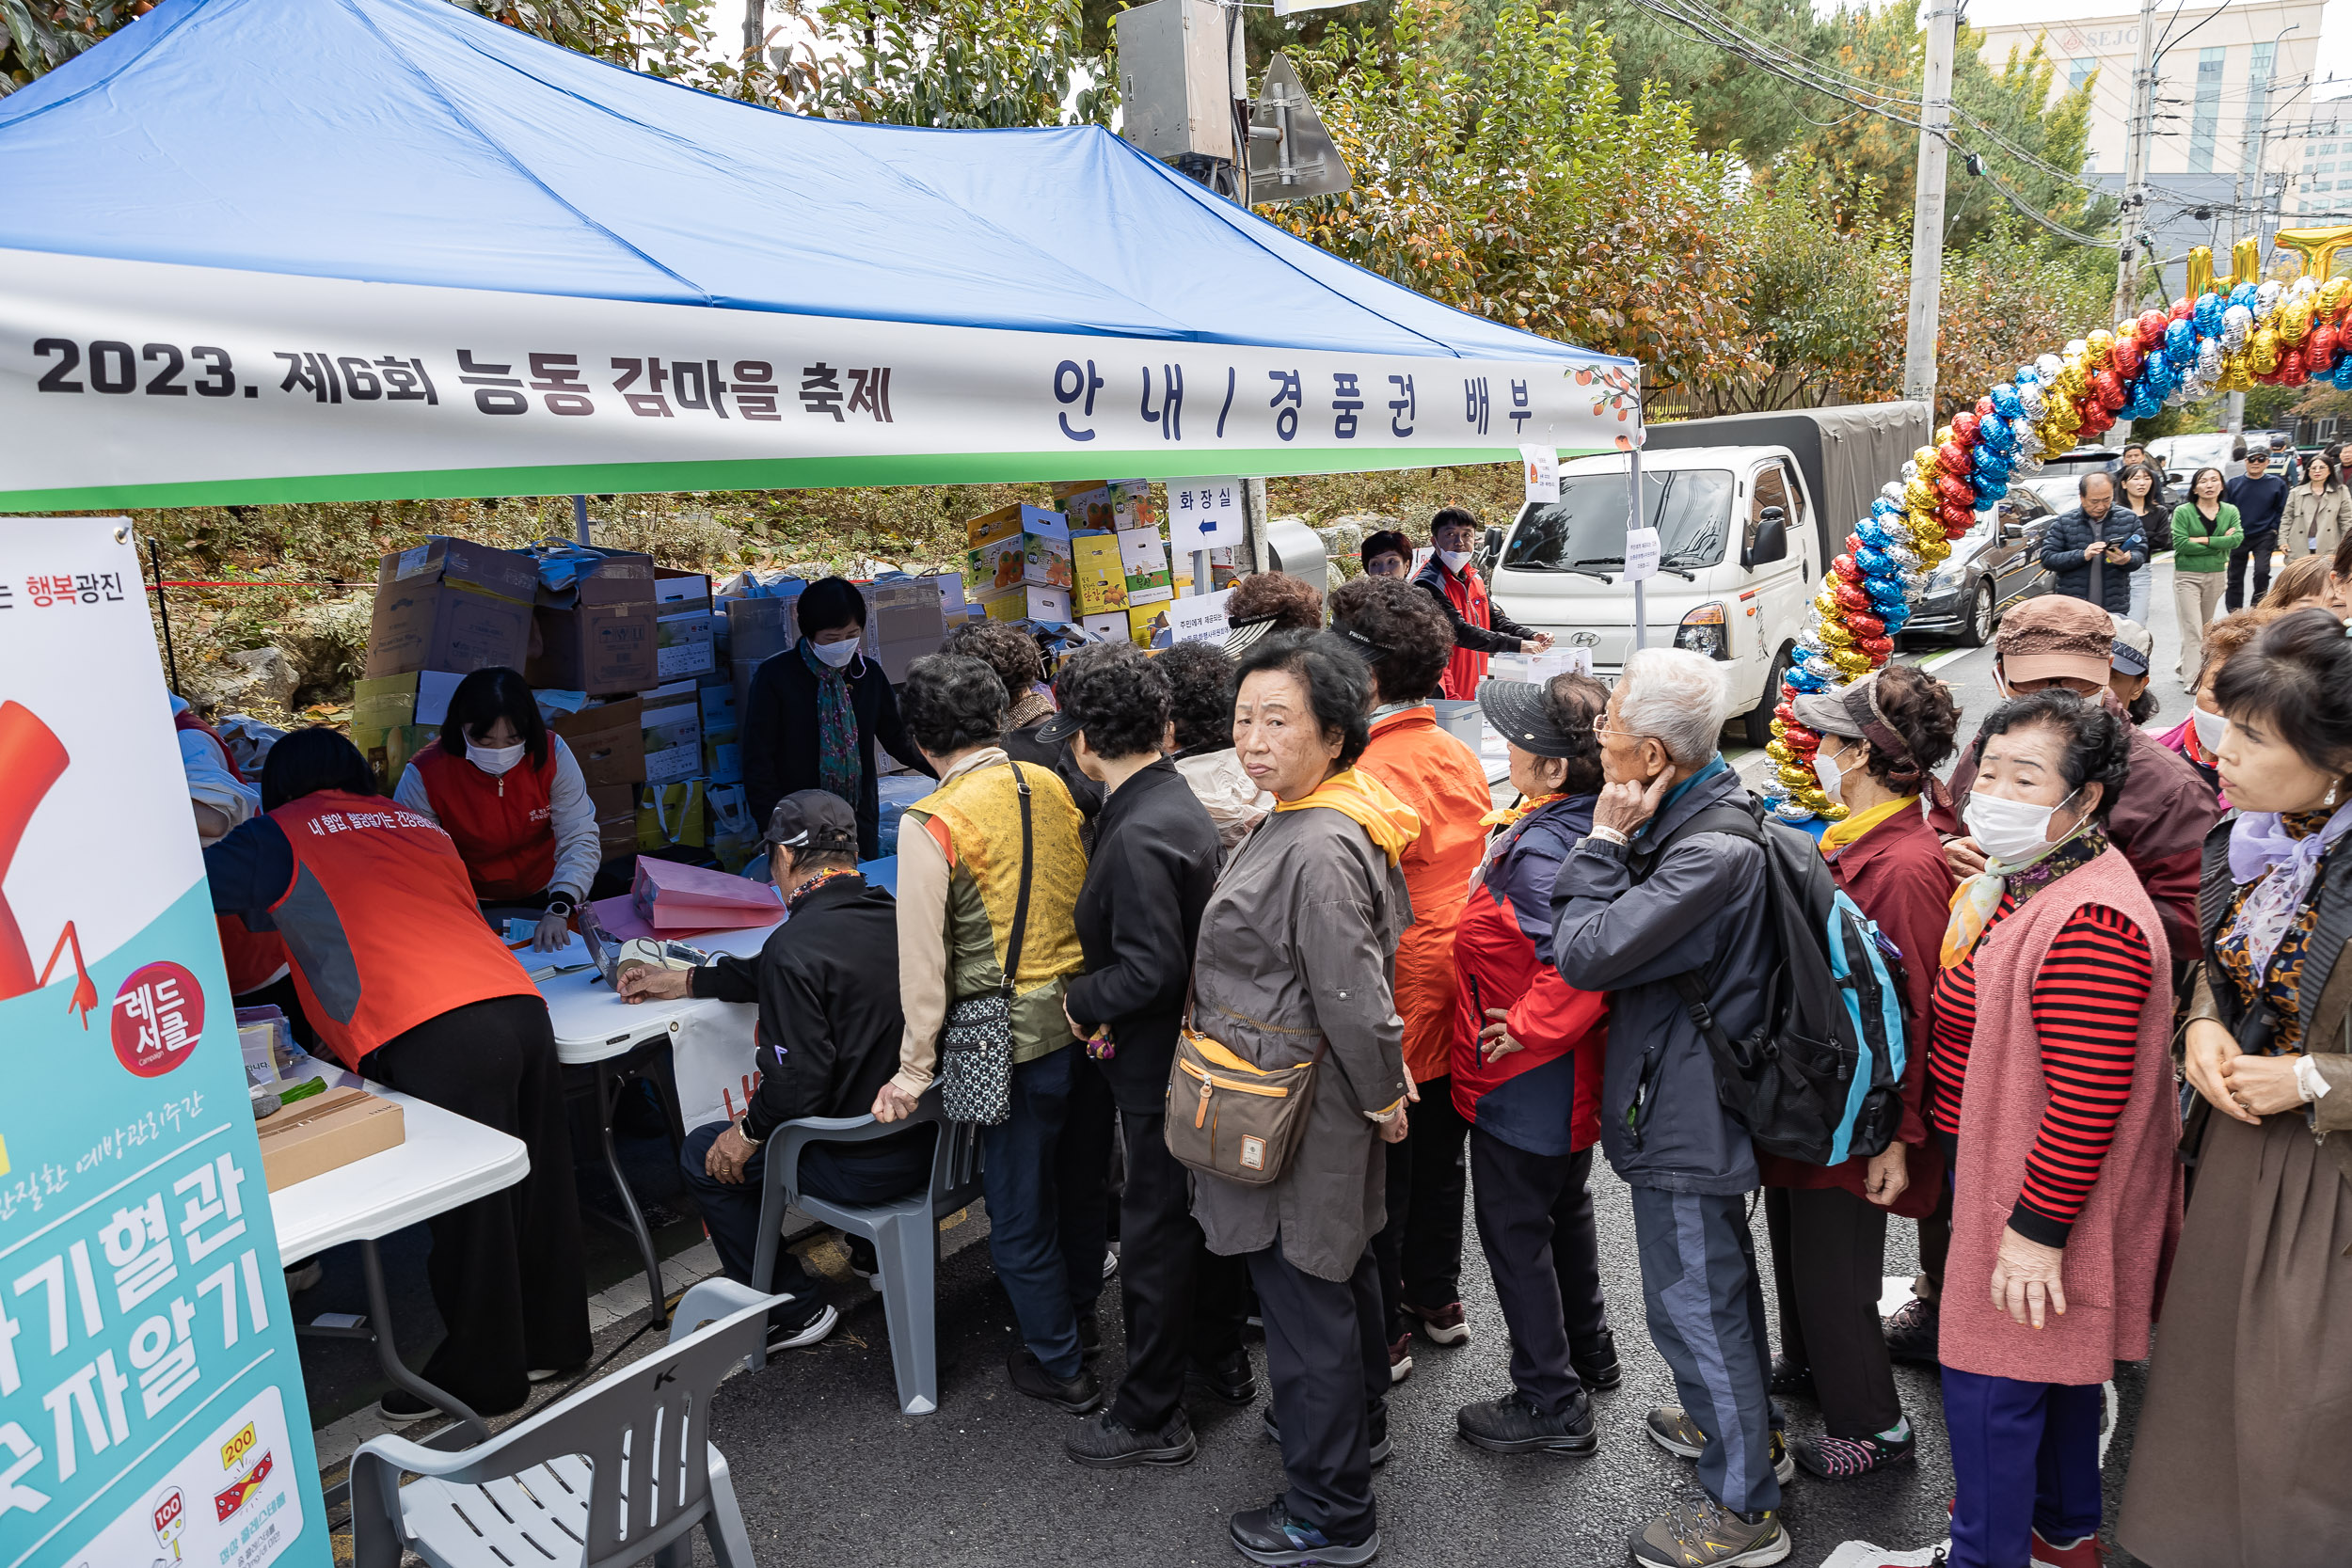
158 1015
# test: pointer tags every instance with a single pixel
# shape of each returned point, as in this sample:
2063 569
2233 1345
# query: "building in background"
2236 135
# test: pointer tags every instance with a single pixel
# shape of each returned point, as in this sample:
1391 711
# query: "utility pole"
1927 210
2137 132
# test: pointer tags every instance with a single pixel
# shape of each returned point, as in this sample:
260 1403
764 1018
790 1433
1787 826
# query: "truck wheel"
1978 631
1757 724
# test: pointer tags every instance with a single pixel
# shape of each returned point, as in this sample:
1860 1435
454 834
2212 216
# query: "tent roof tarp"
414 144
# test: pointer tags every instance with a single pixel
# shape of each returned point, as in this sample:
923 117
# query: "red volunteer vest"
503 826
253 958
1466 669
381 923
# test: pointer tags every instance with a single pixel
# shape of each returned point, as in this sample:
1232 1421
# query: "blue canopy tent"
266 251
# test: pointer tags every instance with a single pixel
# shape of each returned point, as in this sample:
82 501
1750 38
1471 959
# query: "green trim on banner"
785 473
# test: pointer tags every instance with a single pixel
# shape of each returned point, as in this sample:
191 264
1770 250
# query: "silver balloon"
1911 470
1809 643
2208 360
2028 435
2236 322
2034 401
1893 490
1904 557
2048 367
1789 811
2074 347
2266 298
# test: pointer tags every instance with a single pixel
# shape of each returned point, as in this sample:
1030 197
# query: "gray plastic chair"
905 1232
612 1475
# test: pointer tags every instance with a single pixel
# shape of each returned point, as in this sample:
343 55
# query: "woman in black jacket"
815 710
1153 869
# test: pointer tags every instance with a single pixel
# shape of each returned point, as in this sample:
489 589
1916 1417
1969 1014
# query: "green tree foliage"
38 36
961 64
1521 189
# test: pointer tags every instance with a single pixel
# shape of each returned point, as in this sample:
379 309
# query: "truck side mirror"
1771 541
1494 542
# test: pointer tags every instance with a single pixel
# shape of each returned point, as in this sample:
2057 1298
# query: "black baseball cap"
1520 713
814 821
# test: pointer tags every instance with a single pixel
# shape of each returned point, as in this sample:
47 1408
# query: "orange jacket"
1443 781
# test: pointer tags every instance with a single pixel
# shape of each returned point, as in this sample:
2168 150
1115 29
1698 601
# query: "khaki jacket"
2315 521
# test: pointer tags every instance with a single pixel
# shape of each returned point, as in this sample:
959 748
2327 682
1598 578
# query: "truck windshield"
1584 529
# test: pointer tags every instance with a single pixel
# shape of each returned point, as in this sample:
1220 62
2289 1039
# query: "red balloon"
2097 420
2291 370
2126 356
1952 458
2182 308
1965 429
1844 566
1958 491
1787 712
1957 519
2109 389
2319 349
1788 693
1866 625
2152 325
1984 408
1877 647
1957 531
1850 599
1854 544
1798 738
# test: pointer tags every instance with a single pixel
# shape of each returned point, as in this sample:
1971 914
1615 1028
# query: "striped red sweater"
2087 1001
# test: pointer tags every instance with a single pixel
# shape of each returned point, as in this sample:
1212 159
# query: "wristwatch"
743 1131
562 904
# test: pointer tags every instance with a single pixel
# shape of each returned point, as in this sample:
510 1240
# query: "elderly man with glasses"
1666 885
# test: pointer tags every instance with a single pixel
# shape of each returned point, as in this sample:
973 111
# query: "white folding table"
609 1042
444 1161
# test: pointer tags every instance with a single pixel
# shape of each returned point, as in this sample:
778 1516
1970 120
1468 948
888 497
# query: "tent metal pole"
162 612
579 519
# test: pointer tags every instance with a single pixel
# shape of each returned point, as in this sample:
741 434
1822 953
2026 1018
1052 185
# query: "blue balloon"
2006 401
1878 533
2208 314
2342 376
2180 345
1989 466
1996 435
1896 618
1884 593
1992 490
1877 564
2027 374
1890 510
2243 295
1805 680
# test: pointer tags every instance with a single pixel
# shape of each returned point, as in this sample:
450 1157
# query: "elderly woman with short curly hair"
2050 1091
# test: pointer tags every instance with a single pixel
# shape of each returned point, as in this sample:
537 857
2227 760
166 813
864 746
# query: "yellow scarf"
1387 821
1505 815
1845 832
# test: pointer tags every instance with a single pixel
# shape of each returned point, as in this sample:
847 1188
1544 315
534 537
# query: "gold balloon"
2234 373
1920 494
2262 350
2100 341
2295 320
1780 729
1942 435
1852 661
2331 295
2318 248
1837 634
1925 525
1934 553
2246 264
1798 778
2073 377
1925 457
1829 809
2201 280
1829 607
1780 753
2067 414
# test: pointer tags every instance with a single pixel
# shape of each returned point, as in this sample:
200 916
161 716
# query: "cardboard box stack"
450 605
1018 563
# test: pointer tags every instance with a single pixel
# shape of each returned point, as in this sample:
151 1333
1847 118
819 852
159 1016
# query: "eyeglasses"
1603 730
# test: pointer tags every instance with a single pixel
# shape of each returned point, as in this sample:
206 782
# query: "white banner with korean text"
137 383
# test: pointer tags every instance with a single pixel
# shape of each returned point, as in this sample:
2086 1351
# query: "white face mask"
1454 560
837 654
495 760
2012 832
1832 776
2210 729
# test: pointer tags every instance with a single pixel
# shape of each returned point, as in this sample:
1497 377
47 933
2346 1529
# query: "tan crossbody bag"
1227 1118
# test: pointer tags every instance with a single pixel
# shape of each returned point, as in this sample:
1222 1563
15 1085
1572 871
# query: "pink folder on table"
679 900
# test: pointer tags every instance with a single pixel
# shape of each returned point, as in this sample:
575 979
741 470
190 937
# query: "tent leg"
162 612
579 519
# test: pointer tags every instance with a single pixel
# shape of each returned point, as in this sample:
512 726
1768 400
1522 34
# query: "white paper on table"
1203 514
1543 668
1198 617
1641 553
1541 467
713 1050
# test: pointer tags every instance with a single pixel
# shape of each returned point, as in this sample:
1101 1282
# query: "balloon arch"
2224 335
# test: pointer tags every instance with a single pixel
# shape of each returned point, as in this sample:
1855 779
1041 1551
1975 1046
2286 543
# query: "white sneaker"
818 1326
1110 1259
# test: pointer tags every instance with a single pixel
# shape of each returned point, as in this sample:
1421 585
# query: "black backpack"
1817 1080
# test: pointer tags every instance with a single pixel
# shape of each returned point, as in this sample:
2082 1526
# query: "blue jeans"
2025 1458
1042 1264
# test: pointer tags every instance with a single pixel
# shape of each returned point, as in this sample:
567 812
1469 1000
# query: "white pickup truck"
1749 508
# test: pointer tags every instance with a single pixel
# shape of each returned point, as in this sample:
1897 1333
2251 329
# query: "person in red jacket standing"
405 984
1479 627
1527 1049
511 798
1881 738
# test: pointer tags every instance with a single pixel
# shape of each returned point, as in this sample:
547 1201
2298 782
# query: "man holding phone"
2092 551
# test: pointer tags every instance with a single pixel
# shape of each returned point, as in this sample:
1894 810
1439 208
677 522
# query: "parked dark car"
1995 565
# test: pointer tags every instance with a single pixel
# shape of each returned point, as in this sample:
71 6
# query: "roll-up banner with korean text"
151 383
152 1408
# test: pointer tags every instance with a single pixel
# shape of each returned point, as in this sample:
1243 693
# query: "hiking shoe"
1108 1442
1270 1535
1077 1395
1401 1357
1700 1533
795 1336
1381 1446
1844 1458
1512 1424
1595 1365
1090 1334
1672 1429
1445 1325
401 1406
1229 1377
1790 1379
2084 1553
1910 1333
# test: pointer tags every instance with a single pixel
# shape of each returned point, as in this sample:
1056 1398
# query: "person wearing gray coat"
1629 920
1294 958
